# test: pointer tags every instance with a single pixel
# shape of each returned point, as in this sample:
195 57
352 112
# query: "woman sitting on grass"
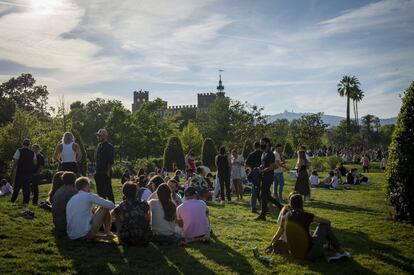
163 217
56 184
132 217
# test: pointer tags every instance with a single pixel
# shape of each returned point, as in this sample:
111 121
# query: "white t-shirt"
146 195
159 225
334 181
79 213
6 189
278 160
314 180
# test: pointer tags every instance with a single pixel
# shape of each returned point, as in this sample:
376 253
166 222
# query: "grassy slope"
359 217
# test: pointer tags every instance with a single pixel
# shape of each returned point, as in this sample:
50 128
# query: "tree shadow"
340 207
110 258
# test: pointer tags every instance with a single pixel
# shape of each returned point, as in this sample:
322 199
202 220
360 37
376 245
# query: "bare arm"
58 151
78 152
271 167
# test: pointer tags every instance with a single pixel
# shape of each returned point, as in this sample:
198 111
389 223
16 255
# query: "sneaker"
339 257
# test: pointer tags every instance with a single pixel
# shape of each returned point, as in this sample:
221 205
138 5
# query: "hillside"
328 119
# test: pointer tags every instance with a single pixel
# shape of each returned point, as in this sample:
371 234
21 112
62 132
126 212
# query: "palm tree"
356 97
345 88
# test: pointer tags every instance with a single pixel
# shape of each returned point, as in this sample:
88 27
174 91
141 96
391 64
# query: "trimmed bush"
400 173
333 161
173 153
288 151
247 148
208 153
84 161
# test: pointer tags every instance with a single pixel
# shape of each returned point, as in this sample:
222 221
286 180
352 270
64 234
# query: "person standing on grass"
254 160
36 173
302 181
223 164
267 171
295 225
24 162
365 163
190 163
237 172
279 181
60 200
104 158
83 219
68 153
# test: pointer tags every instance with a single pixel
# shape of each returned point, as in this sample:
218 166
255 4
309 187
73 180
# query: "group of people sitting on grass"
161 217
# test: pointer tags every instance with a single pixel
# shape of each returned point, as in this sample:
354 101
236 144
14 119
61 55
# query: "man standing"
254 160
36 173
279 181
24 161
267 170
104 160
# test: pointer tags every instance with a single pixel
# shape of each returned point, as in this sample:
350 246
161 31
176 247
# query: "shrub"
208 153
173 153
317 163
333 161
288 151
83 165
149 164
118 170
400 174
247 149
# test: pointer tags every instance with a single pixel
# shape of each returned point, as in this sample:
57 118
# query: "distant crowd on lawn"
170 210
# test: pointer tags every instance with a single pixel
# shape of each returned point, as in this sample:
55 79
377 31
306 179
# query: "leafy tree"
173 154
400 174
356 96
369 129
385 133
309 129
84 160
184 116
21 92
347 87
278 131
247 148
191 138
208 153
119 127
288 151
339 137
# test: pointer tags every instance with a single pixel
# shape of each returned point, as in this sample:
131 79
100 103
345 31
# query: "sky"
279 55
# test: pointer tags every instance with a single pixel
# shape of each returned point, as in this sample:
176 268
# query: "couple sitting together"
81 213
292 235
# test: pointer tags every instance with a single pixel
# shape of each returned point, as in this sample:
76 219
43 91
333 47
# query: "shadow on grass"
340 207
109 258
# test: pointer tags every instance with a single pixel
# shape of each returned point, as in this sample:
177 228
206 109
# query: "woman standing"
237 172
223 173
190 161
68 153
302 182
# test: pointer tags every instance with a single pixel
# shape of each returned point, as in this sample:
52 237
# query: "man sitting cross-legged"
83 222
301 245
192 216
61 198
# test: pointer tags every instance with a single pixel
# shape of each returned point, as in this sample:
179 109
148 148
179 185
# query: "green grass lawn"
360 218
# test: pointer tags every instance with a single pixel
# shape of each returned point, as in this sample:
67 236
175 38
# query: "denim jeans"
255 196
279 182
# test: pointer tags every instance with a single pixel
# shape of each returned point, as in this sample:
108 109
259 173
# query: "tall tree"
191 138
346 87
309 130
357 96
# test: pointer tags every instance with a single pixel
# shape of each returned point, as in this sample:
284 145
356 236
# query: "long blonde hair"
68 138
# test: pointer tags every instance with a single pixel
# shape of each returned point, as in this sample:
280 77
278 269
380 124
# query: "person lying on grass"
83 219
132 217
295 224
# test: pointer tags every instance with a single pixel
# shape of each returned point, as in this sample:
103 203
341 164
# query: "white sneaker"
339 256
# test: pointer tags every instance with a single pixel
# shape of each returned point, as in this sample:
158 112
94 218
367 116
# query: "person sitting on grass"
177 175
132 217
57 182
314 179
154 182
192 216
5 188
163 217
143 192
83 220
301 245
174 188
60 200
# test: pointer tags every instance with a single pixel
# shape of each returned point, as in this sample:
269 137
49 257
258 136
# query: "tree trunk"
348 120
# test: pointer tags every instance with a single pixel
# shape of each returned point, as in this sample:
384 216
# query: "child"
5 188
314 179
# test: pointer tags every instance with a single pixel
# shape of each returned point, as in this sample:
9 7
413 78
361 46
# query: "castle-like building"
203 101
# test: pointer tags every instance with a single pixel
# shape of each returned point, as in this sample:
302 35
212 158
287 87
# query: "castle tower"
139 99
220 87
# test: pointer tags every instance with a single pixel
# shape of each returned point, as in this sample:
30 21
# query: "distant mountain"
328 119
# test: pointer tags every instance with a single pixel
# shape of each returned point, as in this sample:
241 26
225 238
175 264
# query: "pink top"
191 164
193 213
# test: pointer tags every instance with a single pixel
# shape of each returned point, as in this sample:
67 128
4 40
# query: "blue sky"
281 55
